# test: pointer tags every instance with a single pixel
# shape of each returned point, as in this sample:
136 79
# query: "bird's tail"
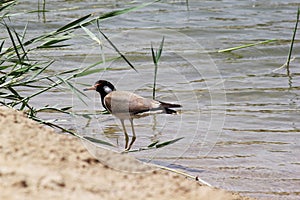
167 106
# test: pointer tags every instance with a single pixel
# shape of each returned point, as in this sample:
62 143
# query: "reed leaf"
13 42
14 92
116 49
74 90
3 67
155 57
245 46
153 144
24 32
91 35
50 44
97 141
160 145
54 46
21 45
51 109
155 72
88 72
158 53
73 24
292 43
48 123
40 71
1 45
6 4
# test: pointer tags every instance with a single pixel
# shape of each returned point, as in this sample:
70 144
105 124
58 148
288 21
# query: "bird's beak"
90 88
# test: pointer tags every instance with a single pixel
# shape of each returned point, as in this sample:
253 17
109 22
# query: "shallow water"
240 115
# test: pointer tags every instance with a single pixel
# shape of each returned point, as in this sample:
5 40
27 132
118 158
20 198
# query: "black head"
103 87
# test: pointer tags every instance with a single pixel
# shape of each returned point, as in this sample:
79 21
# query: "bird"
127 105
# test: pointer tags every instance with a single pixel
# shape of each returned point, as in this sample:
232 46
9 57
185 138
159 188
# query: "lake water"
240 117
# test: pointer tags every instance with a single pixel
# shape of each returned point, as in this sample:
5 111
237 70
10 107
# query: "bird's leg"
125 133
133 135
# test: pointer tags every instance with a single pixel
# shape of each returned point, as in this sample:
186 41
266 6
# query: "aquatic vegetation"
292 44
20 69
156 56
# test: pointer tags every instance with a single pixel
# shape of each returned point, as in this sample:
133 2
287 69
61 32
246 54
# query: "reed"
155 57
292 44
245 46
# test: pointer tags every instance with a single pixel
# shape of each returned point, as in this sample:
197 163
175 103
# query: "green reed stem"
245 46
292 44
156 56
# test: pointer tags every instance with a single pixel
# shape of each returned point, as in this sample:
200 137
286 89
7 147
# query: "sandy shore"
37 163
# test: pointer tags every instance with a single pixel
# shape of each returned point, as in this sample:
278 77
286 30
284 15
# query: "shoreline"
38 163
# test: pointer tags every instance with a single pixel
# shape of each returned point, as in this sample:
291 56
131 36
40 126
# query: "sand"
38 163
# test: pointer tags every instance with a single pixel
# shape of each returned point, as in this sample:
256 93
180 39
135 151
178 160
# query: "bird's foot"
127 148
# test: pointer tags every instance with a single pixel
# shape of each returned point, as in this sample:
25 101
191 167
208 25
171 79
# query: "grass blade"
54 84
158 53
155 72
187 5
24 32
13 42
74 90
53 125
292 43
88 72
156 56
97 141
153 144
41 70
73 24
63 129
14 92
54 109
50 44
92 35
1 46
168 142
116 49
245 46
21 45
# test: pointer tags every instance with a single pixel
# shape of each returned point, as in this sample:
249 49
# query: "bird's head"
102 86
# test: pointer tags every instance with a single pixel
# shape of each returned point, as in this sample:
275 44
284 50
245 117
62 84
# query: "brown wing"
140 104
127 102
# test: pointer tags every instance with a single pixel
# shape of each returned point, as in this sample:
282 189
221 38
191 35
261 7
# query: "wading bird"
127 105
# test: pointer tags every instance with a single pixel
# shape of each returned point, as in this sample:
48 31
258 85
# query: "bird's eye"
107 89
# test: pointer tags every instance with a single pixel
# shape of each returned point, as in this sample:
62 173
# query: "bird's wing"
127 102
140 104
